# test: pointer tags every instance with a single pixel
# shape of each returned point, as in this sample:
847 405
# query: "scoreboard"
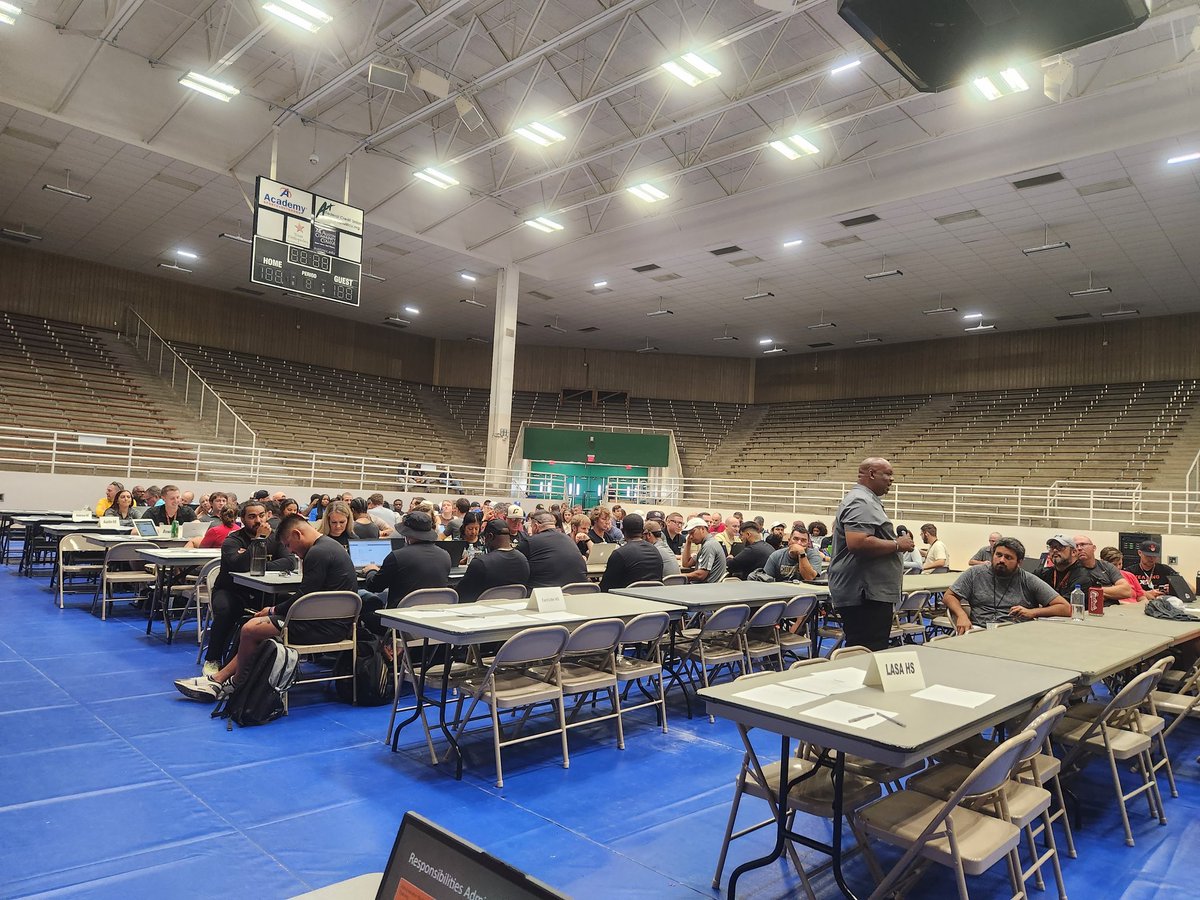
306 243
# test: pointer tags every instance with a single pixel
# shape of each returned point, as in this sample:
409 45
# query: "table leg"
672 664
814 630
839 779
418 686
155 597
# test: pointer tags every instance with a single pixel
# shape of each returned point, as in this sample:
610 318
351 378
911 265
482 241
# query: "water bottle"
1078 604
258 556
298 565
175 529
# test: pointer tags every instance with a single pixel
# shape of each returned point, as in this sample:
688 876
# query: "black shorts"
314 631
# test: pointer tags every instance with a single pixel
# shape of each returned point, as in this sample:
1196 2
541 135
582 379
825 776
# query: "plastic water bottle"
1078 604
175 529
298 564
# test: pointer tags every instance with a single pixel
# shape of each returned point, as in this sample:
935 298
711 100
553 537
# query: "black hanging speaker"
937 44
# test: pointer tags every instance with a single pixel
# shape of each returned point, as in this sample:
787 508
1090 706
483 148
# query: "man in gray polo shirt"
703 553
1002 592
866 570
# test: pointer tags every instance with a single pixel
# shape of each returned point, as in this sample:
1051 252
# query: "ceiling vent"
603 290
723 251
589 329
1072 317
1038 180
1104 187
176 182
669 276
648 267
860 220
538 295
821 344
392 248
954 218
746 261
841 242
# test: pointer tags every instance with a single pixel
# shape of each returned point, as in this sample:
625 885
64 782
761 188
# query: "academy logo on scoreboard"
281 197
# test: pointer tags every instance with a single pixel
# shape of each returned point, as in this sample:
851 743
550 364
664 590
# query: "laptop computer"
367 552
1180 588
456 549
146 527
736 547
429 861
599 554
1033 564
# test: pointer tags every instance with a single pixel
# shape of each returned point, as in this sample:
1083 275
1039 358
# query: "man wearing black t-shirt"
327 567
172 509
420 563
553 558
1150 572
635 560
502 564
753 555
1066 567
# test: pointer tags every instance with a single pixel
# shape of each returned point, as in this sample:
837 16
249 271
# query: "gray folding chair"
580 587
588 666
199 596
672 580
504 592
909 623
717 644
761 637
402 666
843 652
639 658
325 606
125 554
642 584
525 672
70 565
793 630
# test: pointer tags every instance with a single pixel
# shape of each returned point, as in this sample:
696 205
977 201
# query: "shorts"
313 631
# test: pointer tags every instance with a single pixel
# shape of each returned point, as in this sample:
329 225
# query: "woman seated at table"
1113 555
122 505
472 533
366 526
217 531
337 522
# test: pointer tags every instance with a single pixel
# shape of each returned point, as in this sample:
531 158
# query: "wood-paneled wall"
1158 349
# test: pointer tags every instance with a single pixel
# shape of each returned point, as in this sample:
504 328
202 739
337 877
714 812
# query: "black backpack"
259 698
373 678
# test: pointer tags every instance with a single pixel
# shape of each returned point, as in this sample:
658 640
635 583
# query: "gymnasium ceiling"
92 87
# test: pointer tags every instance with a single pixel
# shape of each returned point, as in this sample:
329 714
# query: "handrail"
135 336
1191 483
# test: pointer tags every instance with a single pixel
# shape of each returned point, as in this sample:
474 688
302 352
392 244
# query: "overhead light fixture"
541 223
397 320
174 266
186 254
661 311
1047 245
795 242
369 274
431 82
1008 82
649 348
9 13
765 341
1057 80
467 276
20 235
795 146
235 237
884 272
691 69
1119 313
599 284
555 327
436 178
300 14
67 190
939 309
725 336
218 90
648 192
467 112
1091 290
471 301
759 293
869 340
775 349
542 135
981 327
478 340
412 310
822 323
971 316
1188 157
845 67
385 77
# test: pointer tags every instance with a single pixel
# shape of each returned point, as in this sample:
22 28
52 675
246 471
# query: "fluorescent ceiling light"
540 134
466 276
1014 80
888 273
989 90
555 327
235 237
648 192
661 311
766 340
981 327
67 190
845 67
795 146
969 316
775 350
869 340
1046 245
649 348
824 324
186 254
20 235
300 14
795 242
760 295
691 69
9 13
599 284
397 320
175 267
541 223
1119 313
937 310
412 310
373 276
784 149
478 340
436 178
725 336
210 86
1190 157
471 301
1090 290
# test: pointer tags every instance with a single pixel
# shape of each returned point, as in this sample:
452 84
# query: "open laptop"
736 547
1033 564
599 554
365 552
146 527
428 861
1180 588
456 549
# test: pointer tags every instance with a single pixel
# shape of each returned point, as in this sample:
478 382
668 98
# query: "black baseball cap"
1150 548
496 527
417 525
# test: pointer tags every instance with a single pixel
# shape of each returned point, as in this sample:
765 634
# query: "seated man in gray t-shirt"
1002 591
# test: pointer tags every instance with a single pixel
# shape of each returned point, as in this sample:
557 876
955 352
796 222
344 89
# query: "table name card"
547 599
110 522
895 672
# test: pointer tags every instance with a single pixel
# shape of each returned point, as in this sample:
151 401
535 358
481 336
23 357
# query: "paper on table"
849 714
941 693
828 684
494 621
778 695
425 613
507 604
556 616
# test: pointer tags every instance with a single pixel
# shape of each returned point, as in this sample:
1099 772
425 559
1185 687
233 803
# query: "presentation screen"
306 243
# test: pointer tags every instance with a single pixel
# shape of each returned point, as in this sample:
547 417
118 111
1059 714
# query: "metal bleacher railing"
1110 506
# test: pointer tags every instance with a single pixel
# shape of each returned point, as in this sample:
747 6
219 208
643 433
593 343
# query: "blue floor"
112 785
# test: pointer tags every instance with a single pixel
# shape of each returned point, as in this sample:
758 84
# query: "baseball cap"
697 522
775 525
417 525
259 495
656 515
1150 548
1062 540
495 527
515 512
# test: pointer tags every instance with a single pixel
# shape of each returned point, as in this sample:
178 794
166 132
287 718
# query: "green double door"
586 483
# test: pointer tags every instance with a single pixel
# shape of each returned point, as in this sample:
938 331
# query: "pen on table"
881 715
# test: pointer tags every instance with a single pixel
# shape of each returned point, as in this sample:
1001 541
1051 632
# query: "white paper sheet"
491 622
778 695
425 613
828 684
558 616
506 604
850 715
941 693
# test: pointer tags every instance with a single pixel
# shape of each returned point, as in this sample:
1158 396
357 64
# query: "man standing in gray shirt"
702 553
1002 592
866 571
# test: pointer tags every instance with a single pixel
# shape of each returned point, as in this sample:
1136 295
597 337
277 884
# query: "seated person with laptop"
1002 592
418 564
502 564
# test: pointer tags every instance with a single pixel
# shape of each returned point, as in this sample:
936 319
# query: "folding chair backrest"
1054 697
727 618
1161 666
645 628
671 580
767 615
76 543
995 768
914 601
324 605
800 607
427 597
594 636
646 584
841 652
531 645
208 573
504 592
805 663
127 552
581 587
1041 728
1134 693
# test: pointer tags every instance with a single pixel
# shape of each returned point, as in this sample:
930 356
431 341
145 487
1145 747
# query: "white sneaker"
211 667
203 689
